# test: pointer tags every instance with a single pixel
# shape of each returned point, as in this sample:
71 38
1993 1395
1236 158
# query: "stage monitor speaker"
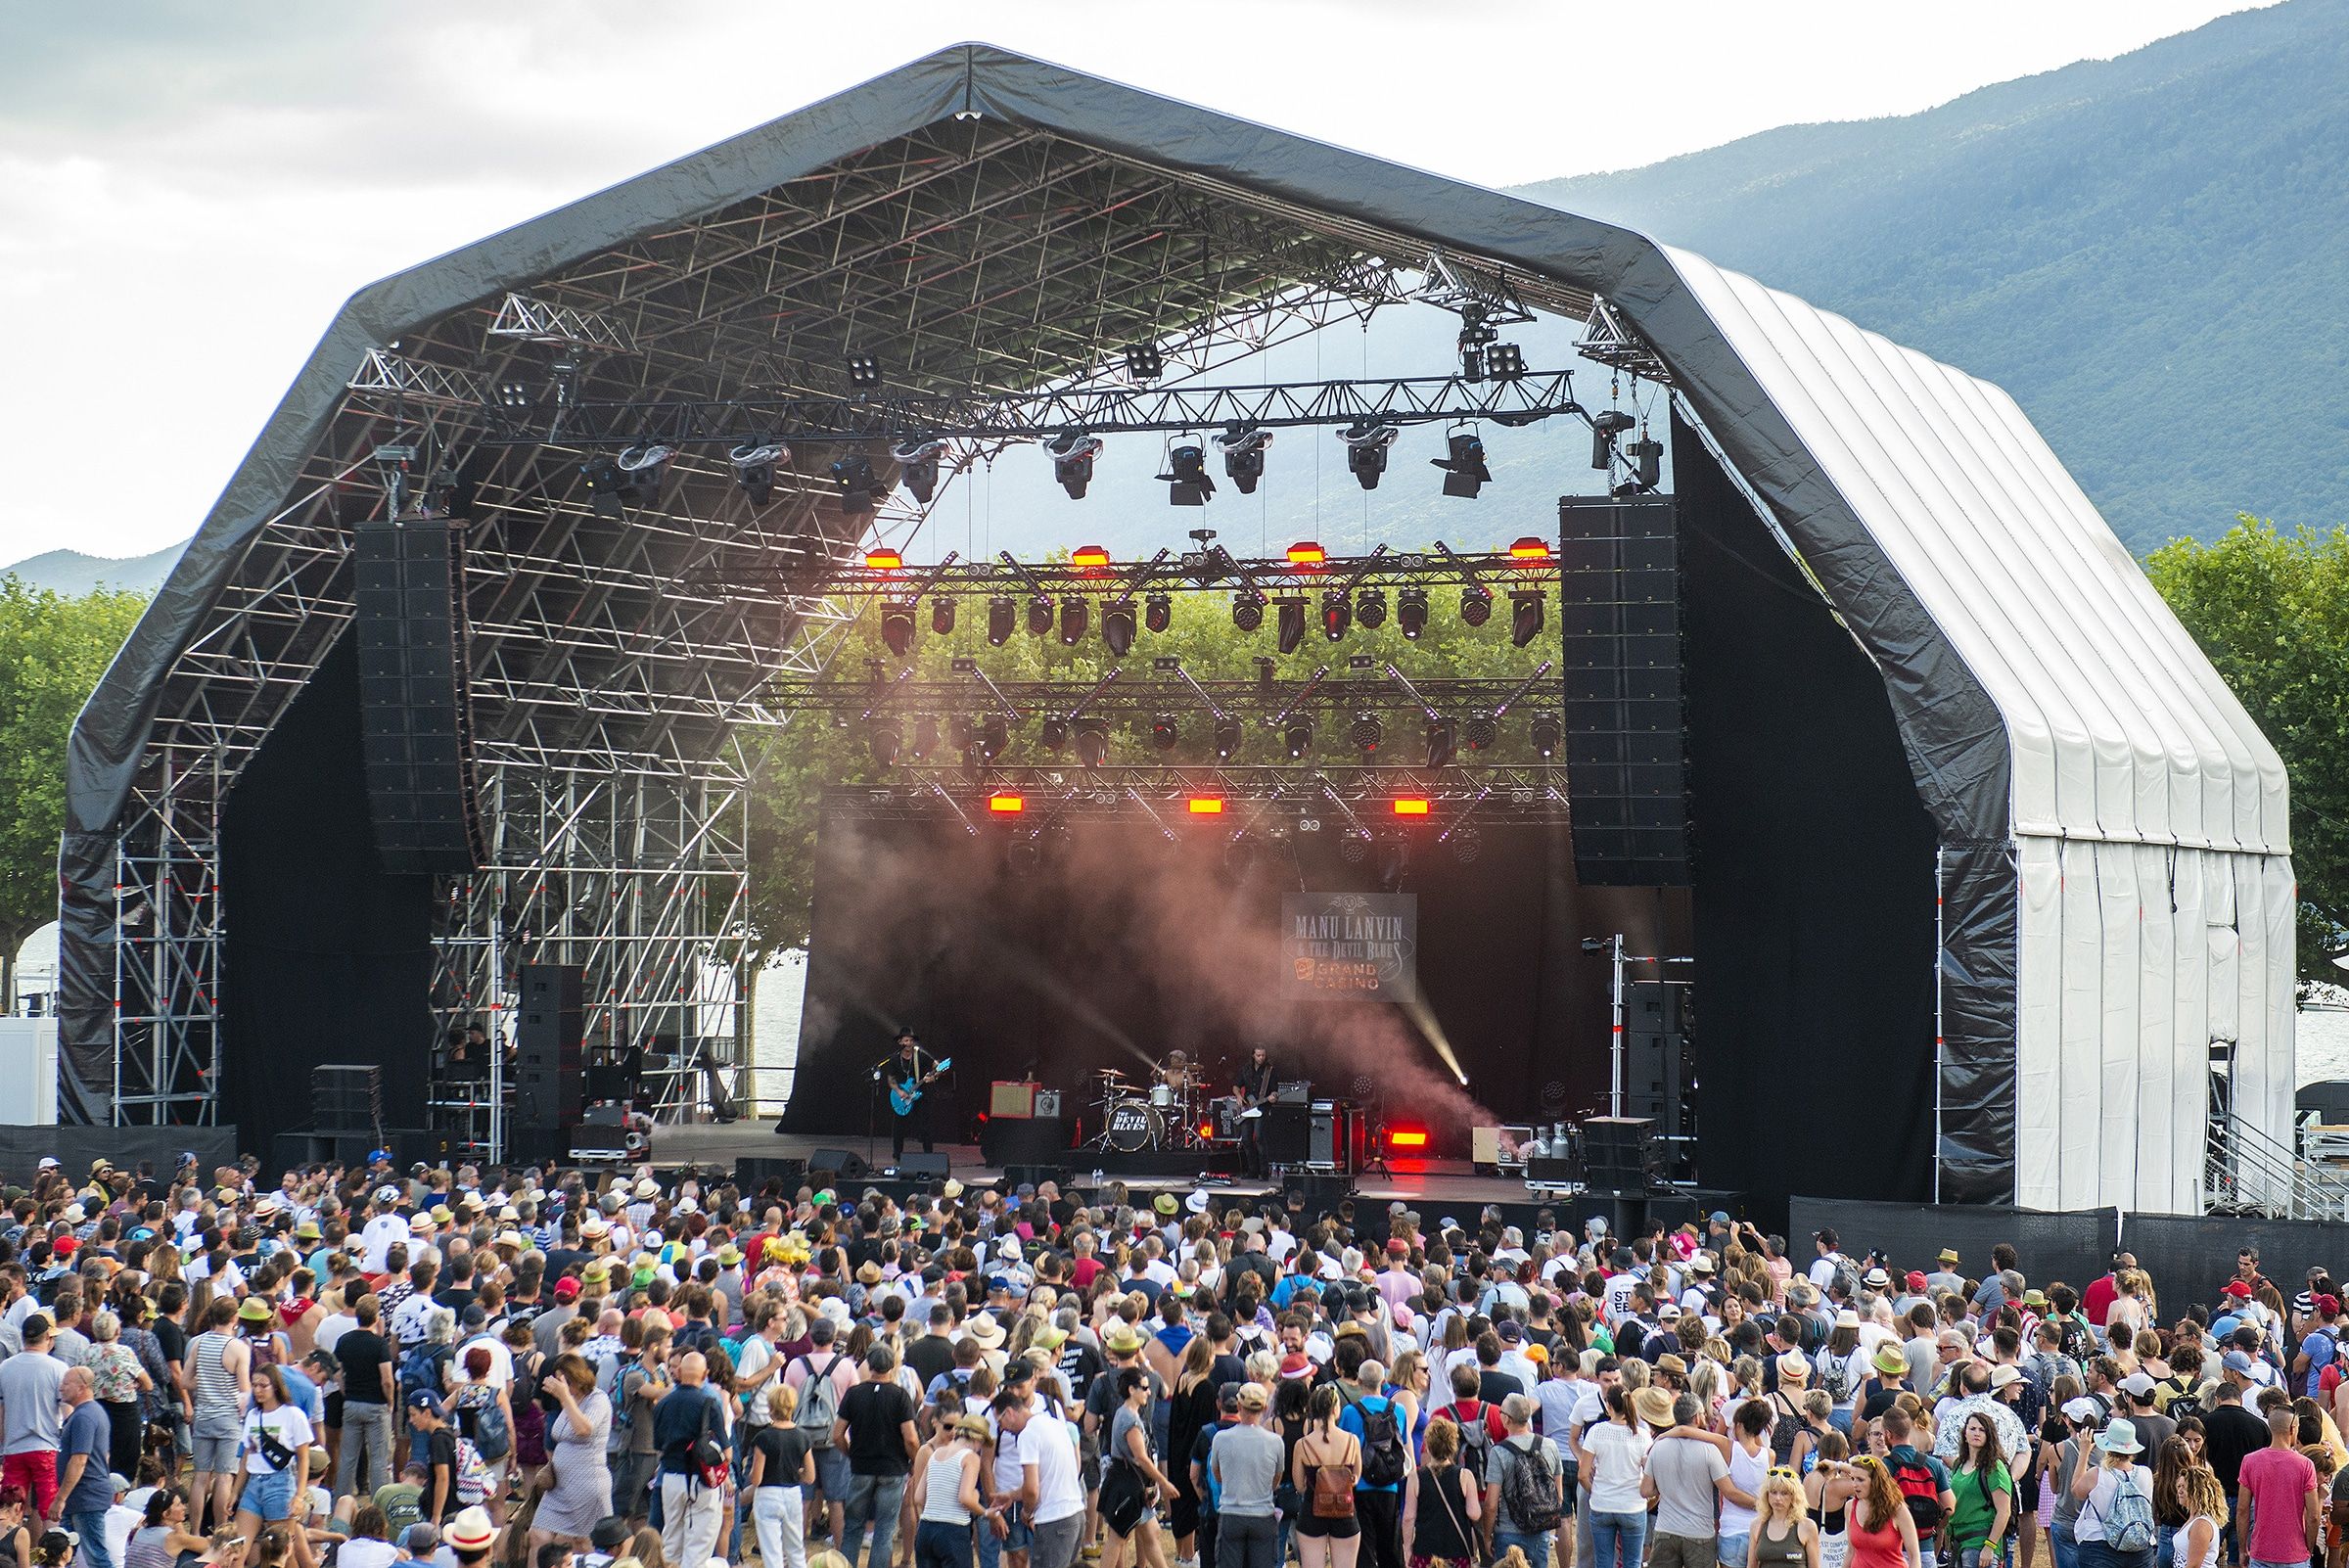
842 1164
1023 1140
1036 1175
917 1165
416 721
752 1173
549 1074
1319 1195
1655 1054
1619 590
1285 1133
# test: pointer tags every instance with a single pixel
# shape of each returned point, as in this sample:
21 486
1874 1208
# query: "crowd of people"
564 1369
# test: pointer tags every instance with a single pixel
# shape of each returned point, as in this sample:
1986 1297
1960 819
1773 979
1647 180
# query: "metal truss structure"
1356 794
625 659
1309 571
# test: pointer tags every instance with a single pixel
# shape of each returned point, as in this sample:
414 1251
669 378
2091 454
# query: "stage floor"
1449 1187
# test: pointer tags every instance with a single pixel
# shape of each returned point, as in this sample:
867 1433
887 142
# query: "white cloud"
188 191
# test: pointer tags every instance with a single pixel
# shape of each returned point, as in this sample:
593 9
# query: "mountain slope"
2152 253
73 573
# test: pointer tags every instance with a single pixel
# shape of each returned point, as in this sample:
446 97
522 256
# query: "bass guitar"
901 1097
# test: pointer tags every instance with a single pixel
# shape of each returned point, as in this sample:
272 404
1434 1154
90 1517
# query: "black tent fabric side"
1813 879
329 959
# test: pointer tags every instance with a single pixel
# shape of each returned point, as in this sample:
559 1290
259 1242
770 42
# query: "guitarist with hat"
909 1072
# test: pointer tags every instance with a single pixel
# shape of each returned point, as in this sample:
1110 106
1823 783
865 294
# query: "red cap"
1397 1247
65 1244
2238 1290
566 1289
1916 1279
2330 1305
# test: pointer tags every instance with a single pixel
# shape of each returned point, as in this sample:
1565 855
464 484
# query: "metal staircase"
2245 1171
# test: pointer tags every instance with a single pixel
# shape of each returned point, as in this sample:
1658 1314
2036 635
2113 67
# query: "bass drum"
1133 1126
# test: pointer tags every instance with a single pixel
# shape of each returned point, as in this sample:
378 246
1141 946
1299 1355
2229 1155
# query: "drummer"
1176 1071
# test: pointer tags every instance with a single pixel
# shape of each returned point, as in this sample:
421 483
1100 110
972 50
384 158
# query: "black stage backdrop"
328 958
1121 946
1814 878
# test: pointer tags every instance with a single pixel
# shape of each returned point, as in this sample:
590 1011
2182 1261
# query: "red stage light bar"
1406 1138
1305 552
1207 806
1410 806
1532 550
1089 558
1007 804
883 560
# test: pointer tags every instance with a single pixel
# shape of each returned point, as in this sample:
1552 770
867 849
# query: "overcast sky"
187 191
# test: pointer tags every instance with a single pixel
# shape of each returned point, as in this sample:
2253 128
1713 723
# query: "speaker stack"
1621 1154
549 1074
416 724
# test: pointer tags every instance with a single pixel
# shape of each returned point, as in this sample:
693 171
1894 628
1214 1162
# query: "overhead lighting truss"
1255 794
531 320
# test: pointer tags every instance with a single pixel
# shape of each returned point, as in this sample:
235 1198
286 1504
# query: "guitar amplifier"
1007 1099
1047 1104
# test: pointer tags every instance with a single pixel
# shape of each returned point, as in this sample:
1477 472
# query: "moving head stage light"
1367 452
1073 457
1243 456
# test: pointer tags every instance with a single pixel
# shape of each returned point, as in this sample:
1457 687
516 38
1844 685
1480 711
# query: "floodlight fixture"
1546 733
1039 616
1604 427
859 486
1336 614
1187 476
1073 453
863 370
896 626
1053 733
1646 455
1481 732
942 617
882 739
1165 731
1092 740
1247 610
1145 361
1074 612
1368 732
1002 616
1464 465
1476 604
1440 742
1157 612
1229 734
607 487
1298 736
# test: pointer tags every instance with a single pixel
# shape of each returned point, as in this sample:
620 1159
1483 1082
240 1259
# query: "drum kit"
1169 1112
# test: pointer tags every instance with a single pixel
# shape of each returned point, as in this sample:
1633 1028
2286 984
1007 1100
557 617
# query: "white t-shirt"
286 1423
1617 1298
752 1358
332 1327
365 1552
502 1360
120 1520
1618 1459
1046 1445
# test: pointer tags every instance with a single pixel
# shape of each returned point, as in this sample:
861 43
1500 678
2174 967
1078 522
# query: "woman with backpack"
2115 1527
482 1415
1441 1504
1984 1489
1327 1464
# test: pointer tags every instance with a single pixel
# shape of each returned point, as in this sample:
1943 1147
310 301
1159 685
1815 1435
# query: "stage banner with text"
1360 947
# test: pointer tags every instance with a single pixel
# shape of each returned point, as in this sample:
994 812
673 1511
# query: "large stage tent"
2083 830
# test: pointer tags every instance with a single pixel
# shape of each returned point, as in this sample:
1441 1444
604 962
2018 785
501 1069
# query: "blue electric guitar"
902 1095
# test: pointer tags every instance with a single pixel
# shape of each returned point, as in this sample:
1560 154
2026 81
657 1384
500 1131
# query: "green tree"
2272 610
53 648
815 752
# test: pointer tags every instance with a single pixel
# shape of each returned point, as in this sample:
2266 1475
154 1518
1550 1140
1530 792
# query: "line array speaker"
549 1037
415 718
1655 1053
1619 619
1620 1153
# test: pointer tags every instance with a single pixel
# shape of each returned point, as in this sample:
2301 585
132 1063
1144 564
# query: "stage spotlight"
881 558
1243 452
1476 604
1530 550
942 617
1546 733
1367 446
1410 806
1074 613
1247 610
1186 476
859 486
1158 613
1054 733
607 485
1073 461
1290 626
881 738
1308 554
1117 625
1440 743
1090 559
1002 616
1463 466
1370 609
1145 361
1648 461
863 370
1480 731
896 626
1228 735
1465 843
994 736
963 733
1410 611
755 464
1368 732
1092 740
1336 614
1604 427
1164 730
1525 614
918 467
1298 736
1039 616
1002 805
925 738
1353 846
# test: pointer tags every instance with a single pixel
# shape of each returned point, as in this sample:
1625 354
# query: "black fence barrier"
2189 1257
75 1149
